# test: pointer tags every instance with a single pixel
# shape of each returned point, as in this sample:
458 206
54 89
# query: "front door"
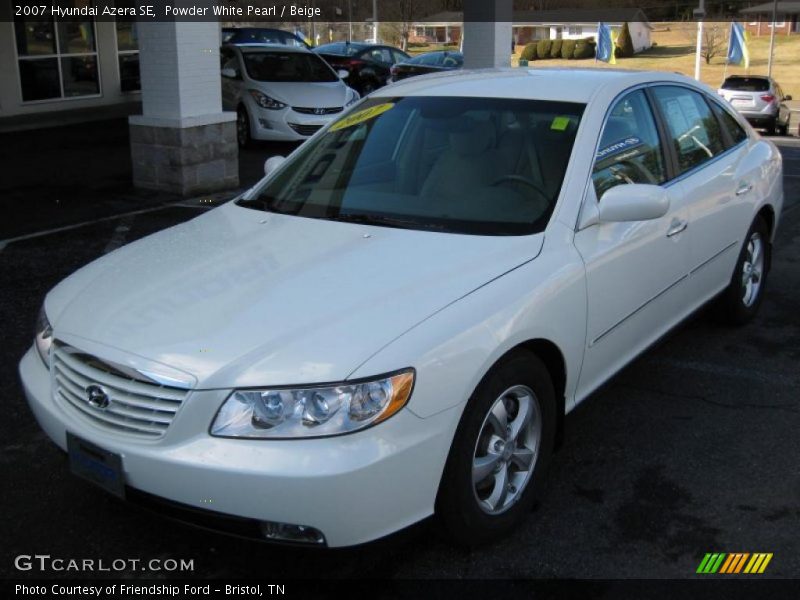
635 271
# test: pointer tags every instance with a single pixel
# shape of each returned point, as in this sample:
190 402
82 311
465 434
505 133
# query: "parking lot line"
30 236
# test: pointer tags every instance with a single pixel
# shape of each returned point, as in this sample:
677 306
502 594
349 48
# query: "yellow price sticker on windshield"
361 116
560 123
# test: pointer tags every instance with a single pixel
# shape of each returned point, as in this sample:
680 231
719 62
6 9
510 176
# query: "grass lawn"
675 51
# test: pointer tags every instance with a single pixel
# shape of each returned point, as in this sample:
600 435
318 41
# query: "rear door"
708 148
636 271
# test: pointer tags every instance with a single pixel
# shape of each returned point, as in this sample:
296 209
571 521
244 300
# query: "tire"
782 130
770 128
243 136
368 87
474 513
740 301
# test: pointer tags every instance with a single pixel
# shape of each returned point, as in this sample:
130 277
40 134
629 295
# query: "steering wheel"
639 169
524 180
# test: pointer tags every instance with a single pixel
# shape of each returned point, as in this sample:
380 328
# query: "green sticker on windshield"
361 116
560 123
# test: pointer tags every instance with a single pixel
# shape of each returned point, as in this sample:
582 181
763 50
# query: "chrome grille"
305 129
330 110
134 406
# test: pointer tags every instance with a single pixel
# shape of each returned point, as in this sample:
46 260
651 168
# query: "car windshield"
746 84
486 166
287 67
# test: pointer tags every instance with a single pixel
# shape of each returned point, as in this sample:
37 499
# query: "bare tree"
714 38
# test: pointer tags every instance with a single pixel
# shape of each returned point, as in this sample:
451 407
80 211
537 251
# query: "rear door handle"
676 227
743 188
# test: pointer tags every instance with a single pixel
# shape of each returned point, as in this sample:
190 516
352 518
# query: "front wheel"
243 127
741 299
501 451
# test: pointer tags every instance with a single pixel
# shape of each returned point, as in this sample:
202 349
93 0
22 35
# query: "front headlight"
265 101
44 337
354 97
313 411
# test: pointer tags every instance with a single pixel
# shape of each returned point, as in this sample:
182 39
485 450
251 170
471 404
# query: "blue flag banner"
605 44
737 46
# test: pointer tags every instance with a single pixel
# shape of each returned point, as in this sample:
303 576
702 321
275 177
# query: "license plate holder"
99 466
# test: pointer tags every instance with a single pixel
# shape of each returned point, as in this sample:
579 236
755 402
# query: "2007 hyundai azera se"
395 320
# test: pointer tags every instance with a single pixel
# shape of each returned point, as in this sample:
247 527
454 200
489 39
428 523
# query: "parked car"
760 100
280 93
395 320
261 35
368 65
430 62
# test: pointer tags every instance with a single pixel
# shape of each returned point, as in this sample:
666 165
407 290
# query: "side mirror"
633 202
787 97
272 163
343 74
230 73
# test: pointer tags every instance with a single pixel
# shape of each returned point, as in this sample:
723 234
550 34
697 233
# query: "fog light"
264 124
286 532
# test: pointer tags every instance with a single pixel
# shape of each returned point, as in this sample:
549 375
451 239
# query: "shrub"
567 49
543 49
528 52
624 42
584 49
555 48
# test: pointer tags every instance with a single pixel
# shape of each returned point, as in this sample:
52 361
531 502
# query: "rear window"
340 49
746 84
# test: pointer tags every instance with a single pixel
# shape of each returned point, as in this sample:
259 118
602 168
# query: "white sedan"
394 322
280 93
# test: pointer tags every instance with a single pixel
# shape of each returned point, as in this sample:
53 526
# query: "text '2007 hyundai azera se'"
394 322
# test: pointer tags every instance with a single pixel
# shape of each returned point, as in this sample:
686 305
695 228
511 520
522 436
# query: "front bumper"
287 124
353 488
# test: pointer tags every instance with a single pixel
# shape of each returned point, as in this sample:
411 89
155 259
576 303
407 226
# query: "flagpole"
772 37
727 58
700 12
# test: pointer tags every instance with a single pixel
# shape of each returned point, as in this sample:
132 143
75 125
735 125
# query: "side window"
398 57
695 131
736 132
629 147
380 55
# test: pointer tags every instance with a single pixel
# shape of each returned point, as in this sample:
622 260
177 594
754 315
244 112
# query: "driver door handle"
676 227
743 188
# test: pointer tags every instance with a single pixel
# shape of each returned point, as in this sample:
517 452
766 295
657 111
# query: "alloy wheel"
506 450
752 269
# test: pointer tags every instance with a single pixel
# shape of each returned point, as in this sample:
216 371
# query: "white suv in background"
760 100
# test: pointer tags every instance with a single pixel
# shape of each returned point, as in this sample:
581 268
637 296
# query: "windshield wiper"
387 221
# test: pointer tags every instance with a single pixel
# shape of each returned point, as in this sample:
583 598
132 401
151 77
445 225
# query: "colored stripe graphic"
711 562
758 563
733 563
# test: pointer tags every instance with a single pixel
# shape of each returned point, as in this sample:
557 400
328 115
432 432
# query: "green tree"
624 42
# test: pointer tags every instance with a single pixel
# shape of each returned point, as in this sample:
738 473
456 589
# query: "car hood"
307 94
240 297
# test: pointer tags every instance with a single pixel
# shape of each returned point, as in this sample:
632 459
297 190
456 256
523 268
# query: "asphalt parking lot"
693 448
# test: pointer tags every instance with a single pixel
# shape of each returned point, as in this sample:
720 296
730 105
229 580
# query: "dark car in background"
430 62
261 35
760 100
368 65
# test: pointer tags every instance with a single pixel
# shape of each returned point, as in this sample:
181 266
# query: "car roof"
543 83
262 47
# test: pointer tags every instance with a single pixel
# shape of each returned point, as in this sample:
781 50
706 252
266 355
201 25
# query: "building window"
128 56
575 31
56 59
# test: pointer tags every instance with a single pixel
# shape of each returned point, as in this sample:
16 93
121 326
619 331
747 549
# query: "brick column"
487 33
183 142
